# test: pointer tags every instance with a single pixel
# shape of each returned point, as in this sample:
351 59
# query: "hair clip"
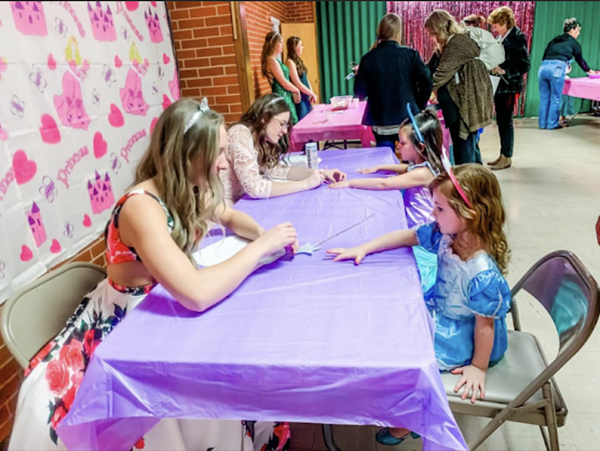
414 124
202 108
450 172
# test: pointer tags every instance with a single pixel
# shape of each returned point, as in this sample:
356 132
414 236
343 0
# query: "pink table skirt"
582 87
323 124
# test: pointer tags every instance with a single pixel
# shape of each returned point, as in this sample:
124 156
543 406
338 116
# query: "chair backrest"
37 312
569 293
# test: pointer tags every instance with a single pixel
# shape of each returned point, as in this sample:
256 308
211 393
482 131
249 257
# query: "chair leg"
488 430
328 438
551 417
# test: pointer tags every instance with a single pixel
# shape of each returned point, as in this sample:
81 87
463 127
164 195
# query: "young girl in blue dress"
470 298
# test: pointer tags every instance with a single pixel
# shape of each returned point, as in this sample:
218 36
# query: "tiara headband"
276 99
450 172
202 108
414 124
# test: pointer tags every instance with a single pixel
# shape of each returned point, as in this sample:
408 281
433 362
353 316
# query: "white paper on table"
225 249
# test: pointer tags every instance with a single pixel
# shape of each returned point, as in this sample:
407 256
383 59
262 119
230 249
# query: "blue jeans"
551 78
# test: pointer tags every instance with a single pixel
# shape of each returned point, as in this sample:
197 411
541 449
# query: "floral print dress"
55 374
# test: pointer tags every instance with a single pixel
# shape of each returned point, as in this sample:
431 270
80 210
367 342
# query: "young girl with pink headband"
470 298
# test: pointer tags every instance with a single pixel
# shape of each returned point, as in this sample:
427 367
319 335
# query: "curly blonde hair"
174 159
502 16
486 218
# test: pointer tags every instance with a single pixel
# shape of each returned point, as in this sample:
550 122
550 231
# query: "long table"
582 87
303 339
323 124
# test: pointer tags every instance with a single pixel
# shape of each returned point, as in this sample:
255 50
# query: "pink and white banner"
81 87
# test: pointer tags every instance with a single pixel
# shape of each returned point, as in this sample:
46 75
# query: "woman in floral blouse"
256 146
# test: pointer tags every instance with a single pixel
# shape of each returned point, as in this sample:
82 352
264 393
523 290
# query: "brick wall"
203 36
300 12
11 374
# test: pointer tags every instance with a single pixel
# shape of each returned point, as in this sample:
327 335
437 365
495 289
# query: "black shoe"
557 127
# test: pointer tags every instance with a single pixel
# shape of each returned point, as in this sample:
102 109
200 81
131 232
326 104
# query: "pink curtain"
413 16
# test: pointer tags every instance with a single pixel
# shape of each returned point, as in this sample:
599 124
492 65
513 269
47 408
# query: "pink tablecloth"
582 87
322 124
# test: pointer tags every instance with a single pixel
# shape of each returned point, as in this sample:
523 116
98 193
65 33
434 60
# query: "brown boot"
503 163
492 163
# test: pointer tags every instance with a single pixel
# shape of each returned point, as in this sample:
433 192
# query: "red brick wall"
203 36
11 374
301 12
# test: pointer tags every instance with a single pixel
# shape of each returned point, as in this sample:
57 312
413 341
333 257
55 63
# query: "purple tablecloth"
302 340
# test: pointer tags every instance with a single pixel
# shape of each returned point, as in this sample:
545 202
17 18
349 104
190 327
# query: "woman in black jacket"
511 71
389 77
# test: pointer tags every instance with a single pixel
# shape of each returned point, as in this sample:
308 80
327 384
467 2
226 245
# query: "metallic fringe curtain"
414 13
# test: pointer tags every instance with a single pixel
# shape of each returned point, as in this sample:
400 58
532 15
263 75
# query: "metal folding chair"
37 312
521 386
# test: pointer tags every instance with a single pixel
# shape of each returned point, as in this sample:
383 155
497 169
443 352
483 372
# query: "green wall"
549 17
346 32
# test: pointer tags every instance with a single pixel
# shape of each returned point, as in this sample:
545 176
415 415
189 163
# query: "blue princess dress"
463 289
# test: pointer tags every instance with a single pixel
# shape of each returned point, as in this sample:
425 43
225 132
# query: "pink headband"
448 168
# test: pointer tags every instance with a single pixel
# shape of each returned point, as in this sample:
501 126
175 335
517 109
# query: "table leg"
328 438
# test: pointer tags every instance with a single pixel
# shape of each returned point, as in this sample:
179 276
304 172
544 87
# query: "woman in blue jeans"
552 72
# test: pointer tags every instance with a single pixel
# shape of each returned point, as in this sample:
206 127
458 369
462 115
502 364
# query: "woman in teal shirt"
278 73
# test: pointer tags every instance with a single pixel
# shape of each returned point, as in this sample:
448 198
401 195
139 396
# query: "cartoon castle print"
101 193
34 218
153 26
29 18
103 25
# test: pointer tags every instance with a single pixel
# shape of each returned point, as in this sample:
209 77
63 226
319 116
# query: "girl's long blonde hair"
272 39
176 161
441 25
486 219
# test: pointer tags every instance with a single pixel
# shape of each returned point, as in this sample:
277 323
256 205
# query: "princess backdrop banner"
81 87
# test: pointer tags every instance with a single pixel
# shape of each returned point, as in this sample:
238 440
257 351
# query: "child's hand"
370 170
354 253
333 175
344 184
473 379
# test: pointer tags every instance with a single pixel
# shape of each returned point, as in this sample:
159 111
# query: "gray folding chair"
521 386
37 312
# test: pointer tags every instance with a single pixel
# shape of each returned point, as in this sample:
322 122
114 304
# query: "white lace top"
244 175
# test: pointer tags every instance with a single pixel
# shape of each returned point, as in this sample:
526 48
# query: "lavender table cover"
301 340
